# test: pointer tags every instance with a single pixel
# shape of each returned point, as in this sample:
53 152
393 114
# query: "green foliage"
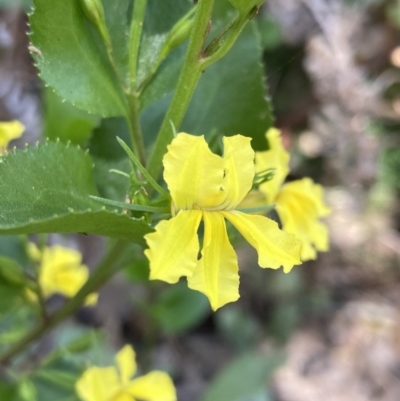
71 58
237 327
50 187
230 98
8 391
244 379
390 167
244 6
66 122
179 309
160 18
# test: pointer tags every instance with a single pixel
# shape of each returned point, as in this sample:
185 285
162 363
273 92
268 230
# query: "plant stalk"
187 83
100 276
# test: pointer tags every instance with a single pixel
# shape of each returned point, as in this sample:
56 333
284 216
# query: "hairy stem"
187 83
135 36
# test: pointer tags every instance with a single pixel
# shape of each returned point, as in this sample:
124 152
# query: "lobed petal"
61 271
275 158
174 247
239 169
275 247
216 274
155 386
126 362
299 206
193 173
98 384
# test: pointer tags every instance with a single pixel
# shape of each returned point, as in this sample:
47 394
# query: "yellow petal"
124 396
275 247
299 205
9 131
216 274
194 174
239 169
126 362
275 158
61 271
98 384
91 299
174 247
155 386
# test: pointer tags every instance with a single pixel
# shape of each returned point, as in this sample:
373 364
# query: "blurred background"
331 328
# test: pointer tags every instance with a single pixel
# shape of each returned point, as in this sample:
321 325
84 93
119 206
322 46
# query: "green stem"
139 11
135 36
101 275
187 83
135 128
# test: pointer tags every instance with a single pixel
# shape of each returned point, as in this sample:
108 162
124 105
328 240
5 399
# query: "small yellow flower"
9 131
116 383
61 271
208 187
299 203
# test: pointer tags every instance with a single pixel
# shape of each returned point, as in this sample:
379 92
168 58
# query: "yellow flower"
61 271
299 203
207 187
112 384
9 131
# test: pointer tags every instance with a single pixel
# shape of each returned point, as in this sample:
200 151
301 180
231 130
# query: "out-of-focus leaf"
65 122
237 327
179 309
244 379
8 391
138 271
231 96
11 272
13 247
72 59
50 186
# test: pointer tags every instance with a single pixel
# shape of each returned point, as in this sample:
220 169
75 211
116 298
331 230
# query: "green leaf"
179 309
49 186
103 143
8 391
11 272
72 59
243 379
66 122
160 18
245 6
231 96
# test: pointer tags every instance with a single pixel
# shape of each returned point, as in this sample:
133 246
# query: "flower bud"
94 11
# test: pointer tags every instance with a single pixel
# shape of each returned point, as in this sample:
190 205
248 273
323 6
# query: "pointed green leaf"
47 188
72 59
